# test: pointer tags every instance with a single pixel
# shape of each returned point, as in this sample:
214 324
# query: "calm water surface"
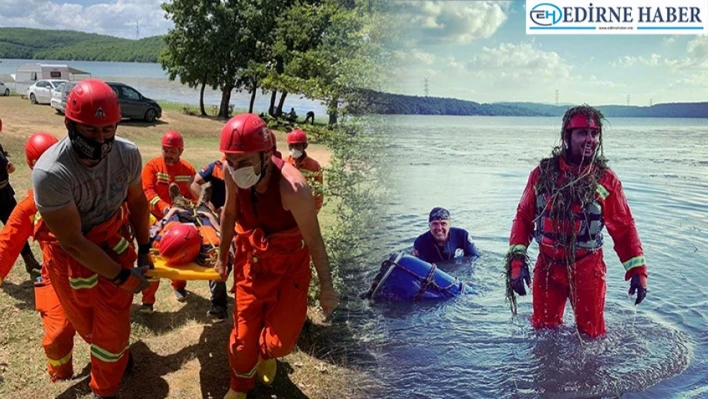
470 347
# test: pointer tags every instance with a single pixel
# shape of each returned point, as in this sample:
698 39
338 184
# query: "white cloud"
117 18
439 22
630 61
667 41
519 62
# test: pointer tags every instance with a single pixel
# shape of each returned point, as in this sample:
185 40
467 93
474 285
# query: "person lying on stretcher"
188 232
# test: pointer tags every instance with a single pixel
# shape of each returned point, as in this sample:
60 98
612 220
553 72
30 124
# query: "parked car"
134 105
4 90
59 96
41 91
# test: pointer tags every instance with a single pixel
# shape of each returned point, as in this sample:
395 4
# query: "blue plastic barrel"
407 278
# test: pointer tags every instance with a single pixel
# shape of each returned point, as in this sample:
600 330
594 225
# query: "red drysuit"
550 276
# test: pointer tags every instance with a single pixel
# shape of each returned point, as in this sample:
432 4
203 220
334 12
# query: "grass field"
179 351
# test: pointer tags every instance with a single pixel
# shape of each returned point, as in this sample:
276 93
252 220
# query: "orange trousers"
95 306
551 291
58 341
149 293
270 305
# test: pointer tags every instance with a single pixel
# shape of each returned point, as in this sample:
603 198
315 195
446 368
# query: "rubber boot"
234 395
267 370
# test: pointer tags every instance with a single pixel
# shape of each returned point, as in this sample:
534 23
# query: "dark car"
133 105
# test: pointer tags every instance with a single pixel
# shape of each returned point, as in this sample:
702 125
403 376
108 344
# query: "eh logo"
546 14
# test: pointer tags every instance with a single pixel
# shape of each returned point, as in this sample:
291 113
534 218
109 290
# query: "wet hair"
589 112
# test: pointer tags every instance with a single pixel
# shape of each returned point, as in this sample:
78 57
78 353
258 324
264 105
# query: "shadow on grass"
334 342
139 123
23 292
161 322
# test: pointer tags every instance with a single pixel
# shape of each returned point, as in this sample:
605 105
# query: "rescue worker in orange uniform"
575 184
311 169
58 341
158 174
270 209
8 203
90 199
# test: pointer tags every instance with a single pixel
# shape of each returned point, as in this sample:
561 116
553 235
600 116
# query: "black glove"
520 274
638 285
131 280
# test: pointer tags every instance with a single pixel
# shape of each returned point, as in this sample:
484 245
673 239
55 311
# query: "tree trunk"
254 90
271 109
281 103
225 99
201 98
332 111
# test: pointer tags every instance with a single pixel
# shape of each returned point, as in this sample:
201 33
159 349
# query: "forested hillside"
70 45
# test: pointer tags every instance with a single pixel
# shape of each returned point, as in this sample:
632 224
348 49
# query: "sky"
472 50
479 51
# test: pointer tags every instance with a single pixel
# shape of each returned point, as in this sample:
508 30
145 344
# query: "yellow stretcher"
188 271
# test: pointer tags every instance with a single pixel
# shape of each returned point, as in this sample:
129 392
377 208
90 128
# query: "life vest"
588 222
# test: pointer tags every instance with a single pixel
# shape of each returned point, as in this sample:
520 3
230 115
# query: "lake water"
471 347
152 82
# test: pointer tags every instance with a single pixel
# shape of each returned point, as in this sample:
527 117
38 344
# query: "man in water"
443 242
576 184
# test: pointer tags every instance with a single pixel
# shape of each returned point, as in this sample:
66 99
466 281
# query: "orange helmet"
180 245
245 133
297 136
172 139
93 102
36 145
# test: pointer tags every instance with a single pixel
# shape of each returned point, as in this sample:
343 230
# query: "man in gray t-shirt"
61 179
80 186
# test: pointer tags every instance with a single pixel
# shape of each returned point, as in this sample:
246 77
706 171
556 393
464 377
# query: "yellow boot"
234 395
267 370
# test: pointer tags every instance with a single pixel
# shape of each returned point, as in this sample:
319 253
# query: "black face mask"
87 148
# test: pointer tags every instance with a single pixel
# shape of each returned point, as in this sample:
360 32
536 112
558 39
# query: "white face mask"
244 177
295 153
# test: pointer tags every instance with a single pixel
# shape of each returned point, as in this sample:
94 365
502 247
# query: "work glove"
520 274
132 280
638 285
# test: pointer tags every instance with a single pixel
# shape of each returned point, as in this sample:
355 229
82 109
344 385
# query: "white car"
4 90
41 91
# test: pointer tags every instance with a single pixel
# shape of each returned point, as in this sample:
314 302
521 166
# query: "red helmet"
297 136
180 244
245 133
36 145
172 139
581 121
93 102
0 124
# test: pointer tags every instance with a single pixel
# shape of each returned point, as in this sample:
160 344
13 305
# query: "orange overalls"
95 306
551 288
58 341
157 177
271 280
312 170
